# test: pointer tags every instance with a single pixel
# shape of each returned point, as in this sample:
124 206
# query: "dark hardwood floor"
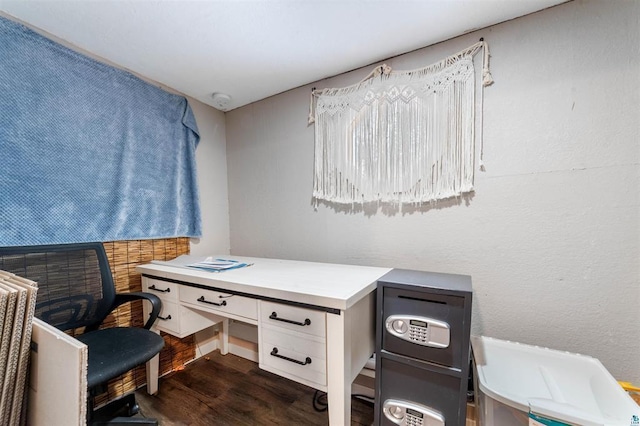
229 390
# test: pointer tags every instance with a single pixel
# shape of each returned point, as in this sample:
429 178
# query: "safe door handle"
274 352
154 288
201 299
274 316
168 317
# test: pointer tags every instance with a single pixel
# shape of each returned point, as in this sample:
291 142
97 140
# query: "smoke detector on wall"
221 101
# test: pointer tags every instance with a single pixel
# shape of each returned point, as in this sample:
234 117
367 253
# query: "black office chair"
75 290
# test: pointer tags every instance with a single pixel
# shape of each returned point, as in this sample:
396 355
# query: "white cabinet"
336 299
175 318
293 318
292 343
291 339
226 304
165 290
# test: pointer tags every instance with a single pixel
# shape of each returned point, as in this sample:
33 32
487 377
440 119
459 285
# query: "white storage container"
514 379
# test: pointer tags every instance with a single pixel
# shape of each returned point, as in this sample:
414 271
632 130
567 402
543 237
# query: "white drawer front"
163 289
306 354
192 320
170 321
181 321
218 302
293 318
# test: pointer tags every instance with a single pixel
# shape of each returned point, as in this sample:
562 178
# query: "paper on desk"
210 263
218 265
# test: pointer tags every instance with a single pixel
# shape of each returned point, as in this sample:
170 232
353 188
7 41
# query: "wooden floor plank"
228 390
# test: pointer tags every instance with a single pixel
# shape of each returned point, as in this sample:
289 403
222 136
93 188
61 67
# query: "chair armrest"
156 304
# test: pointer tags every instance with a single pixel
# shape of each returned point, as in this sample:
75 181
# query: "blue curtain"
89 152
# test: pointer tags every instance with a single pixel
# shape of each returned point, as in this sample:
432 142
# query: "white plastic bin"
514 379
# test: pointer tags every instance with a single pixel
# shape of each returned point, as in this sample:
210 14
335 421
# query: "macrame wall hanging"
399 136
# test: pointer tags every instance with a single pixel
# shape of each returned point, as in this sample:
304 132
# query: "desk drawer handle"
167 318
201 299
274 316
154 288
274 352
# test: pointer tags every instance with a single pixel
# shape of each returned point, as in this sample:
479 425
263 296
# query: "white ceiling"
251 50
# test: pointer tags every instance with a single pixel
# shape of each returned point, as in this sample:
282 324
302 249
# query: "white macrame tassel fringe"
312 115
400 136
487 78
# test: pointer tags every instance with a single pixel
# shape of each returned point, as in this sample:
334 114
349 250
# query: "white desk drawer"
181 321
163 289
294 355
293 318
218 302
169 318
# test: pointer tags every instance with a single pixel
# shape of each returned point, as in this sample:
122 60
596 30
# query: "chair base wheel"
134 409
120 412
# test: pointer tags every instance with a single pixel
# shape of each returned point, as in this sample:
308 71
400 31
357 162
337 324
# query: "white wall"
551 236
211 164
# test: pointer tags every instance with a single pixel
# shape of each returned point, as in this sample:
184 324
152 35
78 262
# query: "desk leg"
153 365
224 337
338 371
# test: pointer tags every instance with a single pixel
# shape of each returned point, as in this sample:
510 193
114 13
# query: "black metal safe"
423 323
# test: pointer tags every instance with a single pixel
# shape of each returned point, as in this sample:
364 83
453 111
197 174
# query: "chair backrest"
75 286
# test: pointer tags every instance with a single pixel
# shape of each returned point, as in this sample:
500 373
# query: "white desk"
327 334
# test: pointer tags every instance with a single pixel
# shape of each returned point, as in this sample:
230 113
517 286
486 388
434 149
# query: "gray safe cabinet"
423 321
